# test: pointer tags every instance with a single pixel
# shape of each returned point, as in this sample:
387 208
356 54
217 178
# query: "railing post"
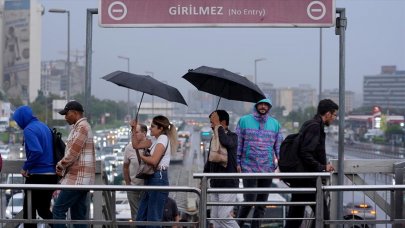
319 203
398 205
29 205
203 202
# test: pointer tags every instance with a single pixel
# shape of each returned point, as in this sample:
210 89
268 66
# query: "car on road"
359 211
13 178
15 205
4 151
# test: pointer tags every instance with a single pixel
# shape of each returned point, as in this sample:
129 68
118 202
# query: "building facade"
386 89
20 23
55 80
334 95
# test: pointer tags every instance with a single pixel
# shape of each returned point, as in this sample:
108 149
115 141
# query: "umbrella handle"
139 106
218 103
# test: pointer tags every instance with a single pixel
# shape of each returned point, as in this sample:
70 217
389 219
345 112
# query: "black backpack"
289 161
58 146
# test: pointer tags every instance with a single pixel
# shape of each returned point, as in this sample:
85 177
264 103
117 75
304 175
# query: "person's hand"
239 169
215 118
59 170
133 123
24 173
329 168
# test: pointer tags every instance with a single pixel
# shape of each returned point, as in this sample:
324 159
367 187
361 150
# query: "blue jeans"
77 201
153 202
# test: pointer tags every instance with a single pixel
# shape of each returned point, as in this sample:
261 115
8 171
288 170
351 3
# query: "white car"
4 151
15 205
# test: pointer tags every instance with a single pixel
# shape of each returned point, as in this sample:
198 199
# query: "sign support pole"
89 52
341 24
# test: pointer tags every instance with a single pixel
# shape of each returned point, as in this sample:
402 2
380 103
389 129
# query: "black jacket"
312 150
230 141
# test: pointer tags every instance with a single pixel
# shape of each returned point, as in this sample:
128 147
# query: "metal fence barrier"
103 192
113 222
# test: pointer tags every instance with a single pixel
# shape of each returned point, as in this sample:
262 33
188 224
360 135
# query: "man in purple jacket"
259 140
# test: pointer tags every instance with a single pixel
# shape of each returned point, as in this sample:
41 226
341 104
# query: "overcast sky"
375 36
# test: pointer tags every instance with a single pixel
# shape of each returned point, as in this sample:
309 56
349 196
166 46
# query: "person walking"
39 167
165 141
229 140
312 156
77 167
131 166
259 140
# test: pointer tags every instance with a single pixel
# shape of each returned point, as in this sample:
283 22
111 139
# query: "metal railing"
104 195
111 222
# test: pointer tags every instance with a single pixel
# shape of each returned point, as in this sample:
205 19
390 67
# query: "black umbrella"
145 84
223 83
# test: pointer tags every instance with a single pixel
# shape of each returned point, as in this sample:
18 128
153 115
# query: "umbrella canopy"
224 83
145 84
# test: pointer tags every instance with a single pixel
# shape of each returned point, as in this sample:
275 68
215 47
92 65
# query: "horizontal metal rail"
95 188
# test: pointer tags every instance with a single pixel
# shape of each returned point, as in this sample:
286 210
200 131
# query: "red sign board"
217 13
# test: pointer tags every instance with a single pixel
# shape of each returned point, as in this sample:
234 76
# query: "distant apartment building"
334 95
304 96
269 90
295 98
55 79
386 89
201 102
20 29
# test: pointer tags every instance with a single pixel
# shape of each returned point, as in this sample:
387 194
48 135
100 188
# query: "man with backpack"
39 168
312 158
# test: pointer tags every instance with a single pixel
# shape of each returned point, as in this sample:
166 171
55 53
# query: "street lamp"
153 100
68 47
320 65
257 60
127 59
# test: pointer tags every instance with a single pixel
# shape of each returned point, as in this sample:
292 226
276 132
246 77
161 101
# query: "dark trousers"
40 199
299 211
258 210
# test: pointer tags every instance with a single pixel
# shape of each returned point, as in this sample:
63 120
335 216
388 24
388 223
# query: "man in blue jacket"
39 168
259 140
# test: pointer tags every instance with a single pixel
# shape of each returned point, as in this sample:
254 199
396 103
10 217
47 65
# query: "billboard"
214 13
16 48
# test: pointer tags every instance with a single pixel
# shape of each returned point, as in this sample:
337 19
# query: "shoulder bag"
146 170
218 153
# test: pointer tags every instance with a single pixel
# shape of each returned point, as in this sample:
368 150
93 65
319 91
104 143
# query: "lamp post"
127 59
153 100
68 47
320 65
257 60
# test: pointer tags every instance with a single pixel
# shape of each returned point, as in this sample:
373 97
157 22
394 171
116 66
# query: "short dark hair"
143 128
223 115
325 106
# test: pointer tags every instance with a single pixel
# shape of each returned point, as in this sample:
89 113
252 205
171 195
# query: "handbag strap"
164 151
139 157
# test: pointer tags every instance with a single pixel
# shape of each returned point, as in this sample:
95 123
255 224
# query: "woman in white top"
152 202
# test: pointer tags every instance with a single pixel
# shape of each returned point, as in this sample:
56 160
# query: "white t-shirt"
131 157
162 139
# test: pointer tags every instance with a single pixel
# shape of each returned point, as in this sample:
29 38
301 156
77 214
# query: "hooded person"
39 167
259 140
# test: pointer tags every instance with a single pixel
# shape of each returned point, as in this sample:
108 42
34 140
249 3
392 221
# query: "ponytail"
172 135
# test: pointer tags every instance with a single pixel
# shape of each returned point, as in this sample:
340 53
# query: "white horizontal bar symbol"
316 10
117 10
